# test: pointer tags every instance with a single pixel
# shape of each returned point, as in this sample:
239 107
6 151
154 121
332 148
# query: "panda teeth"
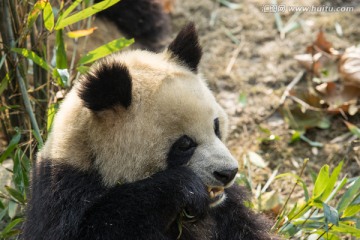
214 192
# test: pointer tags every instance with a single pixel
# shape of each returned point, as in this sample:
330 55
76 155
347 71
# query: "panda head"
137 113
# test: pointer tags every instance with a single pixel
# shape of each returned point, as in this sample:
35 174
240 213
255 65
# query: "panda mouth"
217 195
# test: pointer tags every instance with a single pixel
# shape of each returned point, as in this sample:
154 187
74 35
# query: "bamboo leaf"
71 8
4 83
10 148
106 49
349 195
48 16
33 57
333 178
51 114
353 129
82 69
10 226
15 194
337 189
344 228
2 60
17 172
3 213
331 214
34 13
38 139
87 12
12 209
321 182
81 33
61 60
351 210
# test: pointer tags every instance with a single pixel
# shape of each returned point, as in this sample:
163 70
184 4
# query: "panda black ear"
107 85
186 47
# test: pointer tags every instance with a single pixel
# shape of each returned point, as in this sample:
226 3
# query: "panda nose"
225 176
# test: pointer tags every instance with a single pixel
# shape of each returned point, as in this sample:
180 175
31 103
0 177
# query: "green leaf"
82 69
4 83
296 136
18 178
38 139
10 148
331 214
12 233
51 114
346 229
292 211
15 194
48 16
333 178
106 49
351 211
349 195
353 129
33 57
12 209
87 12
2 214
2 60
321 182
11 225
34 13
61 60
337 189
2 205
356 201
21 171
71 8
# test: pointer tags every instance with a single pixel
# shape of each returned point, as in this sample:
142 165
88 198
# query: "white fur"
168 101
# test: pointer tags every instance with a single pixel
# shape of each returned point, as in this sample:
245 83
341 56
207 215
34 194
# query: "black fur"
179 155
186 47
67 203
107 86
143 20
217 128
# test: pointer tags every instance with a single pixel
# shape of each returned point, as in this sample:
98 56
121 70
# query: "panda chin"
217 196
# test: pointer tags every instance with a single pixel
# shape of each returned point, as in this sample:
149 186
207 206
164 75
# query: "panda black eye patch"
181 151
217 127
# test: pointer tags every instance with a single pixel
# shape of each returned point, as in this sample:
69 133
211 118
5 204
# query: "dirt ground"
262 70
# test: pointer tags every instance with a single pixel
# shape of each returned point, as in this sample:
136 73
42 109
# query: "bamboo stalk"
20 80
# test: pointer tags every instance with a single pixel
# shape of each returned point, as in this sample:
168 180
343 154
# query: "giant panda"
136 152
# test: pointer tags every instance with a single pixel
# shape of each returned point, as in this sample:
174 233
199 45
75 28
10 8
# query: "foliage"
325 214
330 211
31 81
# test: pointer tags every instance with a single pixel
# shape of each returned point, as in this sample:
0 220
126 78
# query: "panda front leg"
235 221
144 209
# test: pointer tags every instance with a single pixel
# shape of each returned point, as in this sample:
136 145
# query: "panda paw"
193 198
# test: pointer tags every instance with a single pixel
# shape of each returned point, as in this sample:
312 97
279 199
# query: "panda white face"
197 125
138 113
